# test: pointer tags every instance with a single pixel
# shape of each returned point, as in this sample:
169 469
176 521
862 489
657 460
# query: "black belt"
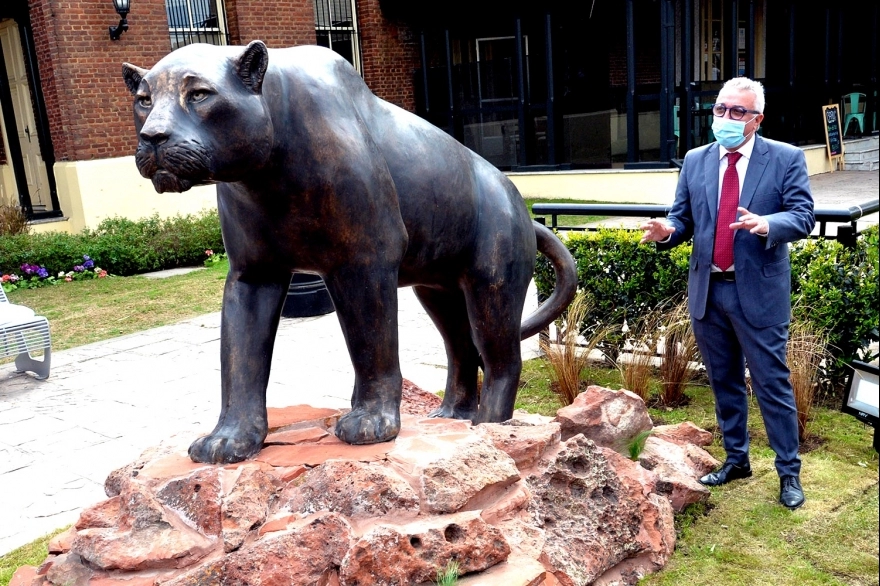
728 276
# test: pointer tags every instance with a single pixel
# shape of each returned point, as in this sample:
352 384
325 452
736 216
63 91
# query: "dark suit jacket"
777 187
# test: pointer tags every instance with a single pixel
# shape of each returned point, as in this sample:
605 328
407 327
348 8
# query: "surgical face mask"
729 133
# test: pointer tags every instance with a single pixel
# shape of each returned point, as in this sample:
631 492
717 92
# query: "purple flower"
78 268
42 272
89 263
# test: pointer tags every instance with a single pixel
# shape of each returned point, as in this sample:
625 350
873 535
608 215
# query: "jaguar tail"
566 282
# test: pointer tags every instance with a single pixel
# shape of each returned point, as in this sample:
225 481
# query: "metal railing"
846 217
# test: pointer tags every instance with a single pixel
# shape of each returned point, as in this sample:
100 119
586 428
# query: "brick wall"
390 55
88 104
278 23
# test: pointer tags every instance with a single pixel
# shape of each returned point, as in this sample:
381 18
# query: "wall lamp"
121 7
862 399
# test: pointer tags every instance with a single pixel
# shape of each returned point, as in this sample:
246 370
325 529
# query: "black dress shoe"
791 495
726 473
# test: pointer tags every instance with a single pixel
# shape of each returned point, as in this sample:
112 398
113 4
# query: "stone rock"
451 469
23 576
247 504
61 543
516 571
296 436
302 555
609 418
353 489
417 401
196 499
391 555
677 468
590 520
147 537
313 454
68 570
683 433
302 417
523 442
511 502
656 536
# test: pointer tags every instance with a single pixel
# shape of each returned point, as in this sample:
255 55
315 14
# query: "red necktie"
723 255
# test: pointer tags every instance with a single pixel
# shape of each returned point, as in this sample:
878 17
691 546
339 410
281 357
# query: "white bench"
22 332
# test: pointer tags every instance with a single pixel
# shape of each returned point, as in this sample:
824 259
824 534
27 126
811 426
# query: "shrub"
118 245
834 287
837 290
627 280
12 220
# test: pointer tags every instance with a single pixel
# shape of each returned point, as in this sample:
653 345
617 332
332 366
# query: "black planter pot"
307 296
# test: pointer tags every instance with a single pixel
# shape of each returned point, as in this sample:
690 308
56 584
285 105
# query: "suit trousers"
727 343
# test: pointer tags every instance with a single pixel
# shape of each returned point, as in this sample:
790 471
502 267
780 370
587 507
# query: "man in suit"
743 199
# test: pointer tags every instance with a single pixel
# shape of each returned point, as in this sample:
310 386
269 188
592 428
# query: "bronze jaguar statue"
317 174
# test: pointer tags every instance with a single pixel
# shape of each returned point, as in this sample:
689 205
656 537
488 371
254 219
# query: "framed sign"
833 138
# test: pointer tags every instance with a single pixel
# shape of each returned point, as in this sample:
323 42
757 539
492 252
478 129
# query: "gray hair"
746 84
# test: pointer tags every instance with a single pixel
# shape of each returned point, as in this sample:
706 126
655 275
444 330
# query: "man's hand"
655 231
754 223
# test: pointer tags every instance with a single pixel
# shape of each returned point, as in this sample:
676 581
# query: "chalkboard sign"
833 142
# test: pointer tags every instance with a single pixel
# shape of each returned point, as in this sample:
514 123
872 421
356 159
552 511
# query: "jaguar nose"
154 136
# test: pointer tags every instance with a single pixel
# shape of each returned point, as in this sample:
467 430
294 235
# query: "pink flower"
102 274
6 278
209 252
68 279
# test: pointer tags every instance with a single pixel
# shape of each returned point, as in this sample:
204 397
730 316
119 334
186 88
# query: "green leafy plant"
118 245
626 279
838 290
636 445
837 287
448 575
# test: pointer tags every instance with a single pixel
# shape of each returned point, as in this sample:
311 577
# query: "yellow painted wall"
619 186
607 185
90 191
7 183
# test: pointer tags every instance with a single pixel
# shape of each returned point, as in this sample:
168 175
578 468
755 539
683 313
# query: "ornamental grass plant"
12 219
636 366
806 354
679 356
570 354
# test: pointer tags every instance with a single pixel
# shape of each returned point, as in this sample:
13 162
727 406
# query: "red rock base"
514 504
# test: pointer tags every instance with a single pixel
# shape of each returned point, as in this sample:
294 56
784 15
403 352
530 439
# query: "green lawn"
742 537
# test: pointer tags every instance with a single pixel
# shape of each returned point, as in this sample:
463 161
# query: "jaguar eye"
145 101
198 95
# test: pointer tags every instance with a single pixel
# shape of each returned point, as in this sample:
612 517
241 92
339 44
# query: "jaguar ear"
251 65
132 74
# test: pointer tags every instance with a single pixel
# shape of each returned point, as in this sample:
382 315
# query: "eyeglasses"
736 112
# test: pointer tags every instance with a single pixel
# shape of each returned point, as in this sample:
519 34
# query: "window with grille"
336 28
196 21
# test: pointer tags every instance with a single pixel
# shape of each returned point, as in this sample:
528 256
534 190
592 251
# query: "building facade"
529 85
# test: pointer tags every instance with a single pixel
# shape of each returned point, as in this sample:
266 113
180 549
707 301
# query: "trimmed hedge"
118 245
833 287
